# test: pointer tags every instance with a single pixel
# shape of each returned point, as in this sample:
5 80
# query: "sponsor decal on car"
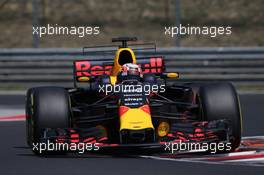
85 68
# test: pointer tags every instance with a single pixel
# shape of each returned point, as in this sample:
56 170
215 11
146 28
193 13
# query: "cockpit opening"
125 57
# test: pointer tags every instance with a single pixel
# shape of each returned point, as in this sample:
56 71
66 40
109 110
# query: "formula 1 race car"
132 102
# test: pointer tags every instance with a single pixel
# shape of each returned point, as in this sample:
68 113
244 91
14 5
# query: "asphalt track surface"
17 158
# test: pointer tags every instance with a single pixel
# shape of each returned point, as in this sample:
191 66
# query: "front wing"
198 133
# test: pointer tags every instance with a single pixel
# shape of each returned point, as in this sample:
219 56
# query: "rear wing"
84 70
111 48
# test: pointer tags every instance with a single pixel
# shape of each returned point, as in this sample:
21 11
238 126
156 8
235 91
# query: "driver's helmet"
130 71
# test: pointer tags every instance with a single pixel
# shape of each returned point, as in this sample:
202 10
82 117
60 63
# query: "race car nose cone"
137 136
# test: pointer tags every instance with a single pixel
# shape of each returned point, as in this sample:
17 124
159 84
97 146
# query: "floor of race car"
17 158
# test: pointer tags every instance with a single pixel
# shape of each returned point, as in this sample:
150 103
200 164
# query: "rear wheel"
46 107
220 101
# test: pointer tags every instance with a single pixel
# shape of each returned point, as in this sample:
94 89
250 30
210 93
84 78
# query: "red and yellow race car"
132 102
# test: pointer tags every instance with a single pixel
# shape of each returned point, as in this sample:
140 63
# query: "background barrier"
33 67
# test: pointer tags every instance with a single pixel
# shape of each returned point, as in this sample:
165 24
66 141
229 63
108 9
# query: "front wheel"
46 107
220 101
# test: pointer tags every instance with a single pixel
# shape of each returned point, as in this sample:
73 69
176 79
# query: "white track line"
196 161
253 137
260 159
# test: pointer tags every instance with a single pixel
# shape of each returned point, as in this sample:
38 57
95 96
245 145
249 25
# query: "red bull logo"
88 68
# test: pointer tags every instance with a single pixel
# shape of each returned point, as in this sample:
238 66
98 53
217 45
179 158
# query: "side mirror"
83 79
171 75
